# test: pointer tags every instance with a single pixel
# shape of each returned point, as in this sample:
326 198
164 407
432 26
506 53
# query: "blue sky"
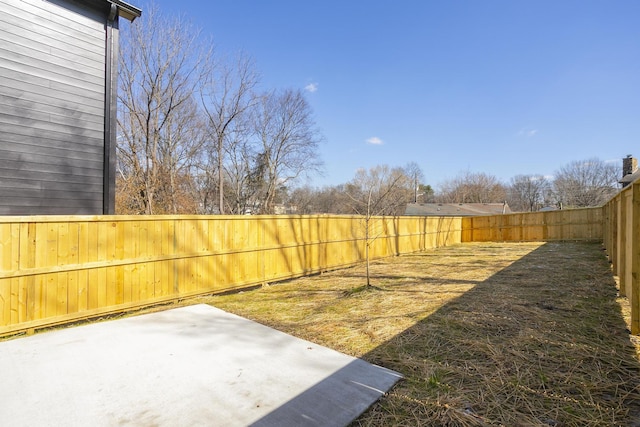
504 87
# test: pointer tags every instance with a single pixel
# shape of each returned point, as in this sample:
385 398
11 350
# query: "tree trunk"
367 237
220 178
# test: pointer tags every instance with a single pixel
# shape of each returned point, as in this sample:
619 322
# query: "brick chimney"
629 165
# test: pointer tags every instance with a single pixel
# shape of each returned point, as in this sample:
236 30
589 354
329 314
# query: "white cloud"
527 132
311 87
375 141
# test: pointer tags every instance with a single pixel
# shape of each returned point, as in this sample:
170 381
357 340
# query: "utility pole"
416 188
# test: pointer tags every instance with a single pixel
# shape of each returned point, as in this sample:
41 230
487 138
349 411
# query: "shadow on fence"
61 269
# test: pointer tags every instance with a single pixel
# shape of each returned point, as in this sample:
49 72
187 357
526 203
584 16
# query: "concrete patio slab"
190 366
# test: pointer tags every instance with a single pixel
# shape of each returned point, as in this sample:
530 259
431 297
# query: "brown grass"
526 334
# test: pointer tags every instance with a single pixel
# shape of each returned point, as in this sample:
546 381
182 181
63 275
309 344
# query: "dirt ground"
516 334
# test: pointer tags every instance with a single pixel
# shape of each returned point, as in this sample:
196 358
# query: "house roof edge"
126 10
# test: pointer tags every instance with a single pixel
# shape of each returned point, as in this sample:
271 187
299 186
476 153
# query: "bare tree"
330 199
227 96
378 191
245 171
471 187
288 142
157 117
527 192
585 183
303 199
414 172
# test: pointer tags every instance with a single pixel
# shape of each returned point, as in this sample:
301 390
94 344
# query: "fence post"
622 246
634 286
613 233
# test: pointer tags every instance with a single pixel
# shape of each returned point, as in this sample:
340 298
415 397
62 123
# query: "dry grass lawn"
485 334
519 334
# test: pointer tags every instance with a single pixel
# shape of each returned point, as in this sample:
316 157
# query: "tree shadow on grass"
542 342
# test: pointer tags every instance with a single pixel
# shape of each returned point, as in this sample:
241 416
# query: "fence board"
92 274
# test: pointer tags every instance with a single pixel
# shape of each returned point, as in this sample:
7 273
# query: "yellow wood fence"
58 269
570 224
622 242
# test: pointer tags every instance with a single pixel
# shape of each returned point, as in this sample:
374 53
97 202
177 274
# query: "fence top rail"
120 218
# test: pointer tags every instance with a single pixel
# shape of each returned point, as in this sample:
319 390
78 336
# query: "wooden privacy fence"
570 224
59 269
622 242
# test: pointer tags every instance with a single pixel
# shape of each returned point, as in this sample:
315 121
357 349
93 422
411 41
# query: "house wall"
52 108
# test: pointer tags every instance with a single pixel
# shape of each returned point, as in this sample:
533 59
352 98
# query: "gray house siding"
57 105
52 91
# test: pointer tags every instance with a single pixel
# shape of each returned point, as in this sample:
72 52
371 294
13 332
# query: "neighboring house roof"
456 209
629 178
